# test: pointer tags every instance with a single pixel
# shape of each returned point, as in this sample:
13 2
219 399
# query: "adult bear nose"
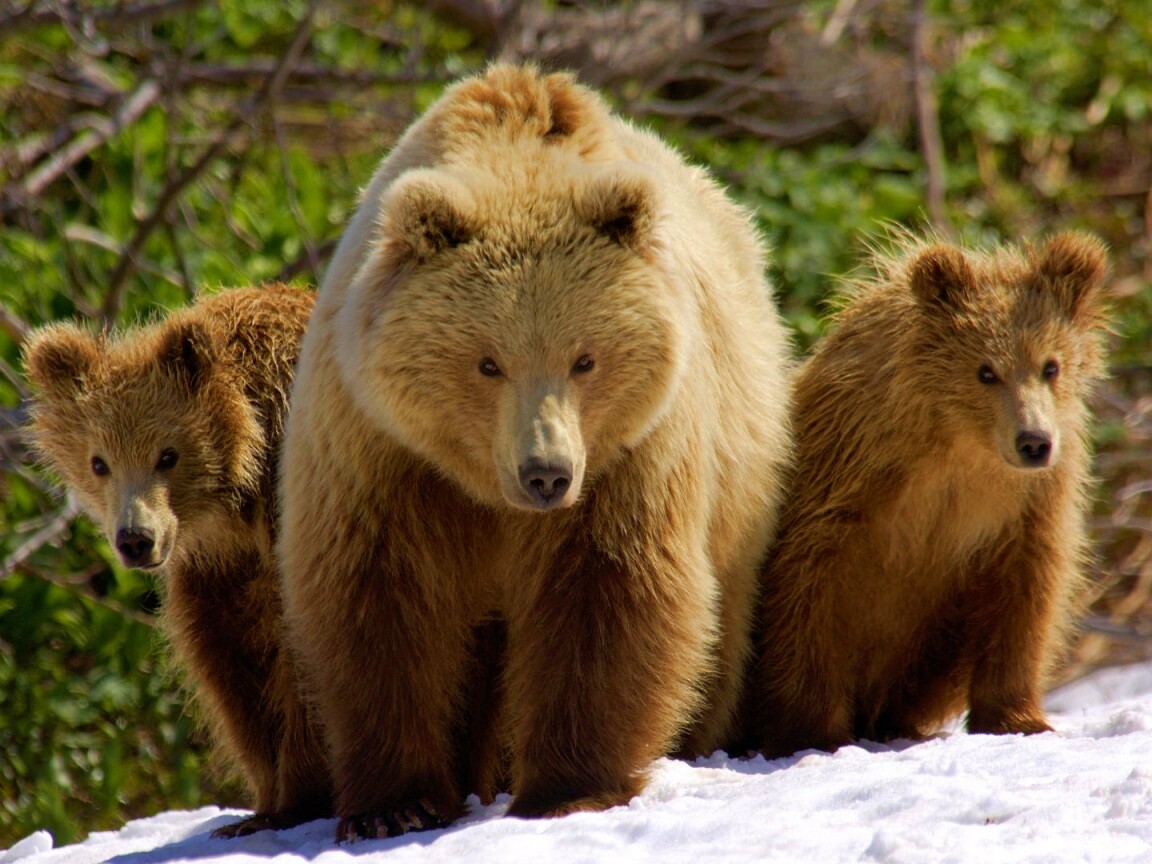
546 482
1034 448
135 545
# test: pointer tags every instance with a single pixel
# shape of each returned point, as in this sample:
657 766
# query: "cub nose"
546 483
135 545
1034 449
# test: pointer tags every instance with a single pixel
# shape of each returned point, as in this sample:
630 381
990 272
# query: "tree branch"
928 121
55 528
116 16
13 325
101 129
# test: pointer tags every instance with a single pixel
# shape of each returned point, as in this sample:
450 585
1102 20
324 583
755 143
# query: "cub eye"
1051 370
489 369
100 467
584 364
987 376
167 459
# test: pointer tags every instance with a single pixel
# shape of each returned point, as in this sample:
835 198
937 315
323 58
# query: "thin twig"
131 109
94 237
928 122
13 325
81 584
293 196
53 529
306 260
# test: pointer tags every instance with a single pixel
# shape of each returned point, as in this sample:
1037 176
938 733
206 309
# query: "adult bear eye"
99 467
167 459
987 376
1051 370
584 364
489 368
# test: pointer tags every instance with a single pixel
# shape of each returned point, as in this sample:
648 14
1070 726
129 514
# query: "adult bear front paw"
419 815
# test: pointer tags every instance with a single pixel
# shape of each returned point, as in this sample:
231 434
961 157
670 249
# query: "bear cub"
931 550
169 434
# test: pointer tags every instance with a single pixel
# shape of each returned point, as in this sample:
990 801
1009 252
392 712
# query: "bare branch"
117 16
292 191
81 584
306 74
93 237
308 259
101 129
928 121
53 530
13 325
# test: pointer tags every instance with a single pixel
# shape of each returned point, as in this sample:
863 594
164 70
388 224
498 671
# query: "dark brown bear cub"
932 545
169 434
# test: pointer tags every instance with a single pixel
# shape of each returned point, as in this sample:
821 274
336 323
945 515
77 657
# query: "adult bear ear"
58 357
187 351
426 212
941 276
621 205
1074 267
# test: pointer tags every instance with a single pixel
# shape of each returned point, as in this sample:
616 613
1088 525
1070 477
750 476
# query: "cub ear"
427 212
58 357
187 351
1074 266
941 276
621 205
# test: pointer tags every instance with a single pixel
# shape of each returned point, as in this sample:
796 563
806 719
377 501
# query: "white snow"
1083 793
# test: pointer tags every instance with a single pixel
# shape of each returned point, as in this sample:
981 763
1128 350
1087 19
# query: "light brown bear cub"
169 433
545 384
931 547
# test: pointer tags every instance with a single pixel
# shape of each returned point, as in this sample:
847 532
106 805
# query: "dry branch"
928 121
13 325
118 16
54 528
100 130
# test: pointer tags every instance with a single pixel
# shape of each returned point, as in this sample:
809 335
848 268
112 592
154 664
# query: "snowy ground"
1081 794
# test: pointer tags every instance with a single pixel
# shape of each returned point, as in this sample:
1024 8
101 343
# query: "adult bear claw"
418 816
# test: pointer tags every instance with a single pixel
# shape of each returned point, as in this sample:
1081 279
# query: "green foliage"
1046 113
815 208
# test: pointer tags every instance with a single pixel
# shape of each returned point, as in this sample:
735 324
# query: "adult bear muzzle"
546 470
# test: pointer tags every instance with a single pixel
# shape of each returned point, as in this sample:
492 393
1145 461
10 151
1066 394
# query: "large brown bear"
932 544
545 384
170 433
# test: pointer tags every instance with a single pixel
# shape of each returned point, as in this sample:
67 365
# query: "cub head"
519 337
146 428
1013 341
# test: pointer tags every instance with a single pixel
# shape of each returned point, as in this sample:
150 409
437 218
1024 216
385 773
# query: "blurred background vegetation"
153 149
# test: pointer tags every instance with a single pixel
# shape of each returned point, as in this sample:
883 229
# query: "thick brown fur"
530 284
929 554
169 434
